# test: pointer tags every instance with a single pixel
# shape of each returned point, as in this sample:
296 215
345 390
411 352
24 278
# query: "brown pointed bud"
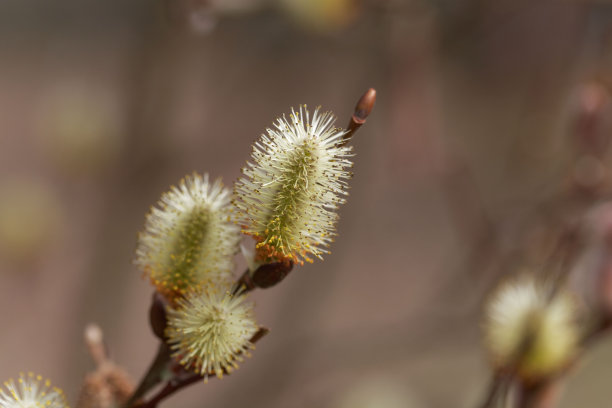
157 315
364 107
268 275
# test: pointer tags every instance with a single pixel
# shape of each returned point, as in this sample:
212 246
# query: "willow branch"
184 378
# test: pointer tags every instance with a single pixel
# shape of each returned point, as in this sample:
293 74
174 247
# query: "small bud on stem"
364 107
157 315
270 274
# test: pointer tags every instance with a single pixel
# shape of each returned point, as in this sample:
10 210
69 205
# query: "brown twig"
563 257
162 366
183 378
108 385
95 344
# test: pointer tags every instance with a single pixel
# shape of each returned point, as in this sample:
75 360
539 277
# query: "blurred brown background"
104 104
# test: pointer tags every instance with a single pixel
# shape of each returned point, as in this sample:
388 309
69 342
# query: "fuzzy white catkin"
189 237
31 391
289 195
209 331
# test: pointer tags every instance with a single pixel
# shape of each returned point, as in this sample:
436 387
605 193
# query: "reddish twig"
183 378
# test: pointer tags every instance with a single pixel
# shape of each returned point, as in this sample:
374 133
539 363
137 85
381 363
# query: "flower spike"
31 391
289 195
189 238
209 331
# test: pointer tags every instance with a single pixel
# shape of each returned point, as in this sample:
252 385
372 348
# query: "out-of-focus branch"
493 391
543 394
95 344
109 385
